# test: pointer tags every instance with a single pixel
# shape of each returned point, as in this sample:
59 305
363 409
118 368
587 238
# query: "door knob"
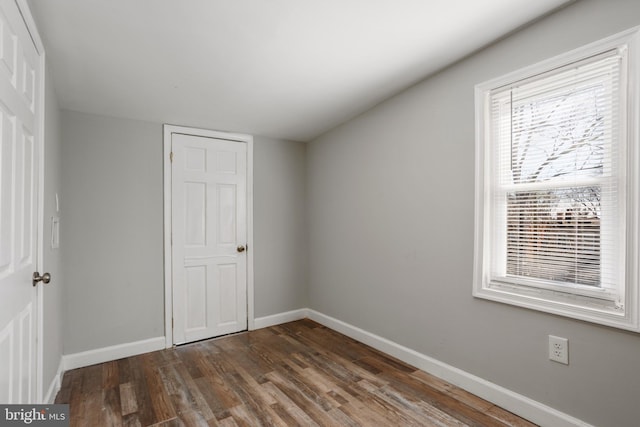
45 278
241 249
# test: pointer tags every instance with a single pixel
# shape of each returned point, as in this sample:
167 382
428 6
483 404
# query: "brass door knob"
240 248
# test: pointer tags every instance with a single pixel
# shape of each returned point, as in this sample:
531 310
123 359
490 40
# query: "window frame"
597 305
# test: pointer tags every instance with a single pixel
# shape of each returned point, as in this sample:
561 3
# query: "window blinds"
556 199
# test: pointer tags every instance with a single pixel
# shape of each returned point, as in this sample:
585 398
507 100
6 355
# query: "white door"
209 231
20 111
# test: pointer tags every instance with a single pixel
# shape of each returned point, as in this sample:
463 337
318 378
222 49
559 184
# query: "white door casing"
21 195
209 225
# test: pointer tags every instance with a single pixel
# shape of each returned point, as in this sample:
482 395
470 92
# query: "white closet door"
209 229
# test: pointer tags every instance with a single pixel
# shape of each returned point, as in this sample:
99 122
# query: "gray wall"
113 229
391 216
280 231
53 292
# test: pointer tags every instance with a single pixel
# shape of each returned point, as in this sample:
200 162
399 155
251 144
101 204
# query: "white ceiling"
289 69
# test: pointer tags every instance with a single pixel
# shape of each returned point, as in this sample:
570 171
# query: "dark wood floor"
296 374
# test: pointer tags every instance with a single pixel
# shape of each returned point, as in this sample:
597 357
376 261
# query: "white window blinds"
556 171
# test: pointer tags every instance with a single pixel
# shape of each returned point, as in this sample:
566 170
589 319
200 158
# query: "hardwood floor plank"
216 406
410 386
253 357
76 396
131 420
110 375
91 413
227 422
128 403
356 411
508 418
173 422
199 402
343 419
296 374
92 379
253 403
416 409
245 418
298 398
262 397
307 388
285 416
293 411
124 370
215 388
332 367
456 392
145 414
188 354
111 407
161 402
193 418
64 395
177 391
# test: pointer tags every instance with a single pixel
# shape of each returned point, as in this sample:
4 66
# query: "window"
557 182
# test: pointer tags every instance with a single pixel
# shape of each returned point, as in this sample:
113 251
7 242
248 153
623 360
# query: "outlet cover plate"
559 349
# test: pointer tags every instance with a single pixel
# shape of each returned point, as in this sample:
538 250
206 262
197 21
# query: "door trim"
168 130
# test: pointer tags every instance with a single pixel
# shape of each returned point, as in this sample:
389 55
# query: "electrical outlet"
559 349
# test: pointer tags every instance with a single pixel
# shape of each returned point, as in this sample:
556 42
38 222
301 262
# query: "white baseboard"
106 354
518 404
279 318
55 385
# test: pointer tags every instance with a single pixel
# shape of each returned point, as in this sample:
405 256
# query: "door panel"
227 214
209 222
19 172
196 298
228 278
195 217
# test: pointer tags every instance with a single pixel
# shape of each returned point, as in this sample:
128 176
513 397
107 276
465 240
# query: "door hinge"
172 323
171 157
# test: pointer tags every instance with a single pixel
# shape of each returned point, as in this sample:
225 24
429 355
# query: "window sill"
589 309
